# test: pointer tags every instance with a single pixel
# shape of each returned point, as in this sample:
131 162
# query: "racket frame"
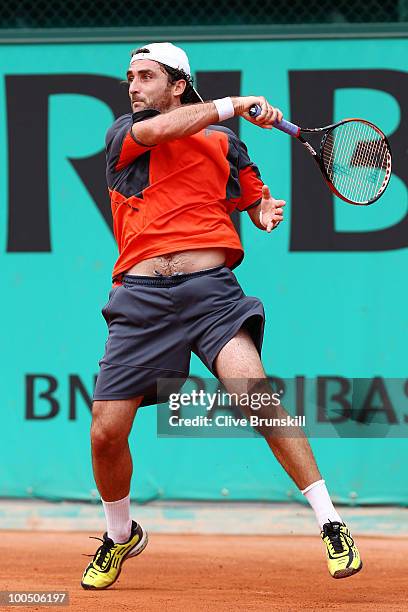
318 156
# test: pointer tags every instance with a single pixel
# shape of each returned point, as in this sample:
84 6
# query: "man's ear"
179 87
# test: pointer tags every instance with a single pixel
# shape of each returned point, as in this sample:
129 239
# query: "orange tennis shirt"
178 195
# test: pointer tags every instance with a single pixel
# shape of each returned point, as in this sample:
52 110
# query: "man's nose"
134 86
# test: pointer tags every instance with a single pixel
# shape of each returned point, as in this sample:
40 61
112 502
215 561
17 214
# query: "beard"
162 103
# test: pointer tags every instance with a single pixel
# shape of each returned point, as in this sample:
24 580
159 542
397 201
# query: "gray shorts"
155 322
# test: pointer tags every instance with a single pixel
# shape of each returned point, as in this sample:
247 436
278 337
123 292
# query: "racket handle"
284 126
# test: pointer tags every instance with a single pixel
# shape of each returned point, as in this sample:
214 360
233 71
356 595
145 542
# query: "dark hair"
174 75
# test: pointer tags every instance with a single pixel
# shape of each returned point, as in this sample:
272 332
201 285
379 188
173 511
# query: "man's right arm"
190 119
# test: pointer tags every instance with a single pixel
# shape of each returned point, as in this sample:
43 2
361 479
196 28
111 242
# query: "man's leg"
112 464
112 422
239 362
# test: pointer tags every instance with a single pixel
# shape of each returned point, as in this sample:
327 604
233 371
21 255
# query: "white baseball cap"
168 54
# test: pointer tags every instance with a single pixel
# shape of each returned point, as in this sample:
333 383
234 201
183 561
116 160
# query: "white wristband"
225 108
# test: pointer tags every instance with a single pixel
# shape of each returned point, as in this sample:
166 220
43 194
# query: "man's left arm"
265 211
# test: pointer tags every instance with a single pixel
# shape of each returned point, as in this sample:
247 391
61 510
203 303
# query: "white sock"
318 497
118 519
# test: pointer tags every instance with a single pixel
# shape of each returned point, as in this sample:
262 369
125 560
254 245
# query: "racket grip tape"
284 126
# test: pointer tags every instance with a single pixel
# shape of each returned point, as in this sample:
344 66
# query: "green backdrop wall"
329 312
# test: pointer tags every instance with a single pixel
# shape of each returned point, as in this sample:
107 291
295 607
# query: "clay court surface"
186 573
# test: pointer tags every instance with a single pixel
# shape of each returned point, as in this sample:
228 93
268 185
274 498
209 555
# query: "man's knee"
105 439
111 424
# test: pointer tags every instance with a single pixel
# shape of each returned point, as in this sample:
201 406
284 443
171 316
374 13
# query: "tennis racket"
354 157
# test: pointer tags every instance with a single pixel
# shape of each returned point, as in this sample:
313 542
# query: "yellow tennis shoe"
107 562
343 558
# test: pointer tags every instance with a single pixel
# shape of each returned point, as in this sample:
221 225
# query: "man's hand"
271 213
268 116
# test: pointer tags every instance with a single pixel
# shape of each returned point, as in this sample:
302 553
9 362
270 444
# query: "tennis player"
174 178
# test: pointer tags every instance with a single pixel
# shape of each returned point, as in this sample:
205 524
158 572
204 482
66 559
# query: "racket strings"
357 161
